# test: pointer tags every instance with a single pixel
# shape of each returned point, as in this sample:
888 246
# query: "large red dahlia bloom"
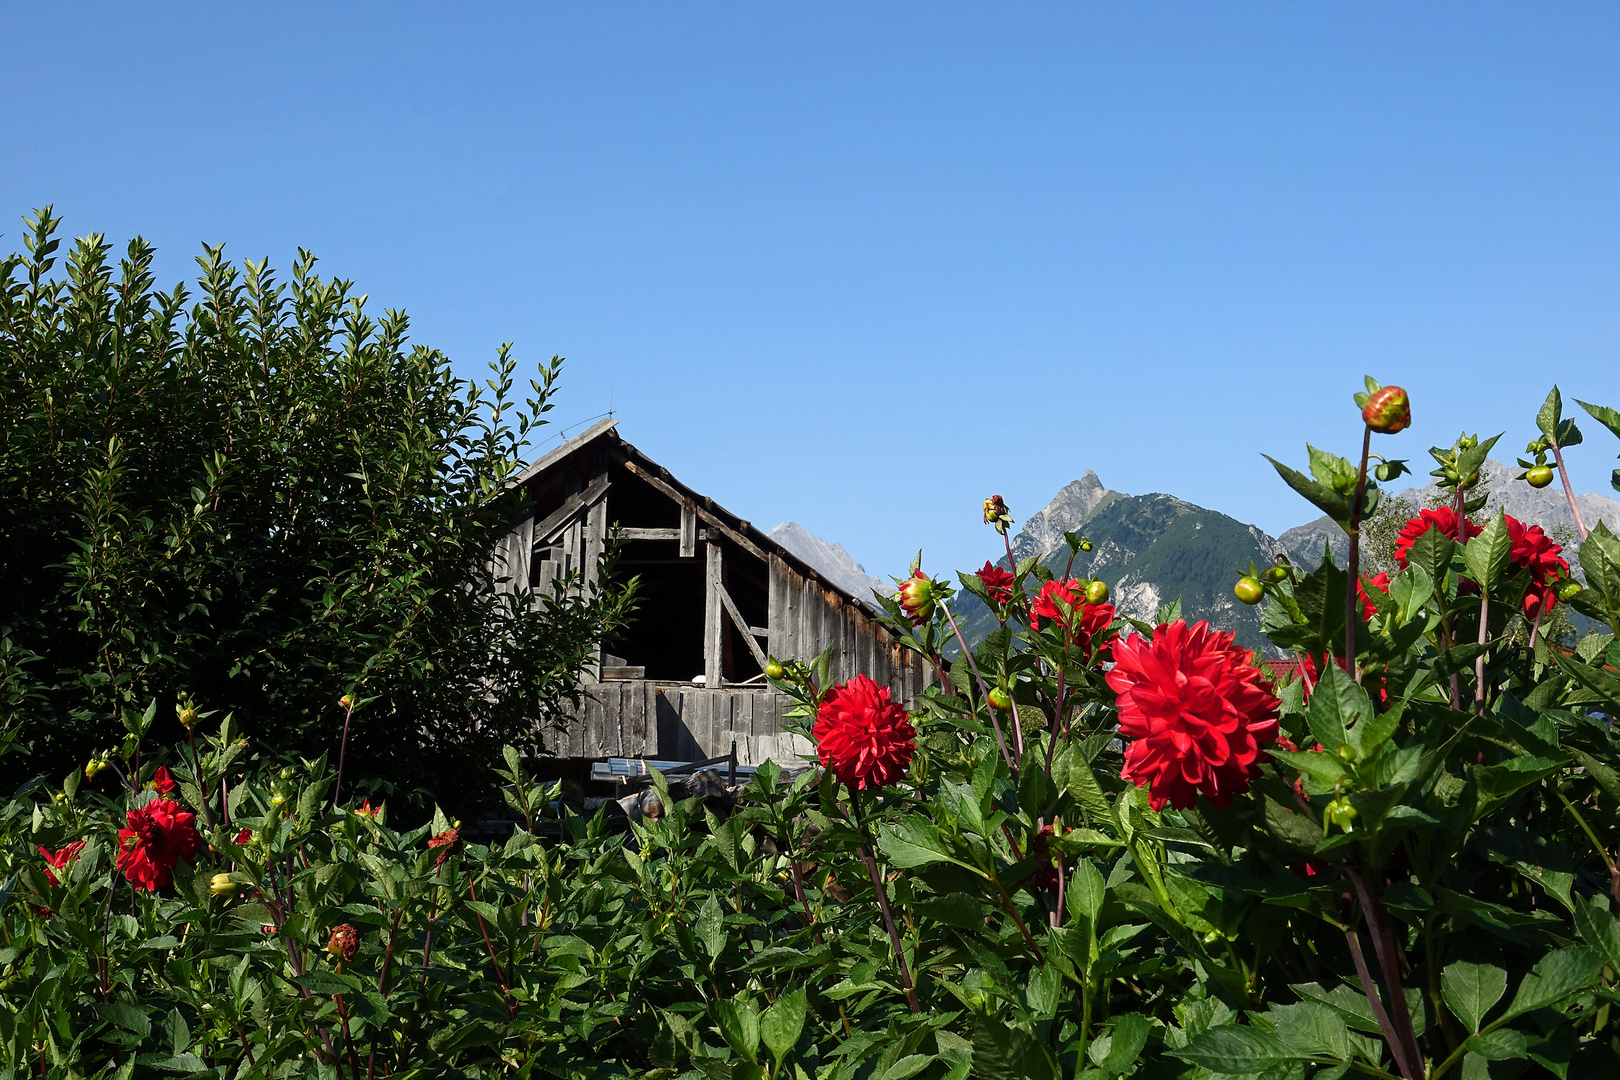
997 582
159 835
863 736
1444 519
1196 711
1533 550
1063 601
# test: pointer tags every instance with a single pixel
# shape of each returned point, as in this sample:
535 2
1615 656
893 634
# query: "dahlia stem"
1535 627
1479 662
985 691
196 774
1352 603
343 749
883 900
1410 1056
1370 988
1569 492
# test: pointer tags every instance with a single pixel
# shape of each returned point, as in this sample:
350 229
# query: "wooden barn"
717 595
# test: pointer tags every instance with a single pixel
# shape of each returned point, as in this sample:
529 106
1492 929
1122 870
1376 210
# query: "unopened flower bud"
344 942
96 766
1339 812
1567 589
774 669
1249 590
1000 700
222 885
1097 592
917 594
346 701
1539 476
1388 411
187 717
995 513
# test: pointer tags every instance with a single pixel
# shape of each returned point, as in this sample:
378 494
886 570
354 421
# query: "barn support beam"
713 644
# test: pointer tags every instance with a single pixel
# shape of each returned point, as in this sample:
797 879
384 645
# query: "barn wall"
807 616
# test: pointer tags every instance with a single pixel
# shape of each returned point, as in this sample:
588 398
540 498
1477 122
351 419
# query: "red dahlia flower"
161 781
446 840
244 837
1062 601
1444 519
1533 550
159 835
997 582
59 860
1196 711
863 736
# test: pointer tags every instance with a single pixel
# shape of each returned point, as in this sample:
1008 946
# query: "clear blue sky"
860 265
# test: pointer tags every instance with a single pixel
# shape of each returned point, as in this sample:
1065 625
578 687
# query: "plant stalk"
1352 603
1569 492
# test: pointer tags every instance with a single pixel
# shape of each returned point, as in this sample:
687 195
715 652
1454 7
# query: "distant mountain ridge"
1150 549
830 560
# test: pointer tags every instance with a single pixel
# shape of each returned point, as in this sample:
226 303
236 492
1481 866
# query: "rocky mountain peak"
1075 503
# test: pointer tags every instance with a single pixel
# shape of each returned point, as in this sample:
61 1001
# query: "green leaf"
1293 829
738 1021
1336 705
915 841
1604 415
783 1022
1087 890
1504 1044
1130 1034
1310 1029
1324 498
125 1016
1470 990
1600 929
1556 977
1411 589
1486 555
1550 413
1432 552
179 1034
1002 1051
1234 1049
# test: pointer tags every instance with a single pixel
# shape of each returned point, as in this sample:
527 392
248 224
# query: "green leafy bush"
262 496
1099 848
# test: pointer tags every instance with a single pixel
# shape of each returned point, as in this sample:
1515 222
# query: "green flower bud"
1249 590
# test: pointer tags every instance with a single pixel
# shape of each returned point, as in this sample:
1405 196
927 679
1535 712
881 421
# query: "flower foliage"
1196 713
862 736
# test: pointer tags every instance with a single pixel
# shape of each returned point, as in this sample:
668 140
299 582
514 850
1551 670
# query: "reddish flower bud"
917 594
344 942
1388 411
995 513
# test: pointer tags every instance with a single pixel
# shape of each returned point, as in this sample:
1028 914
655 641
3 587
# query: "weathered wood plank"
595 541
649 534
547 529
712 625
742 626
688 530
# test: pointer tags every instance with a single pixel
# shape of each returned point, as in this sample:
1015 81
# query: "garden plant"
1096 847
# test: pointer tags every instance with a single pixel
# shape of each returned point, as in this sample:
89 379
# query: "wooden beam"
726 530
544 530
650 534
742 627
712 623
689 537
